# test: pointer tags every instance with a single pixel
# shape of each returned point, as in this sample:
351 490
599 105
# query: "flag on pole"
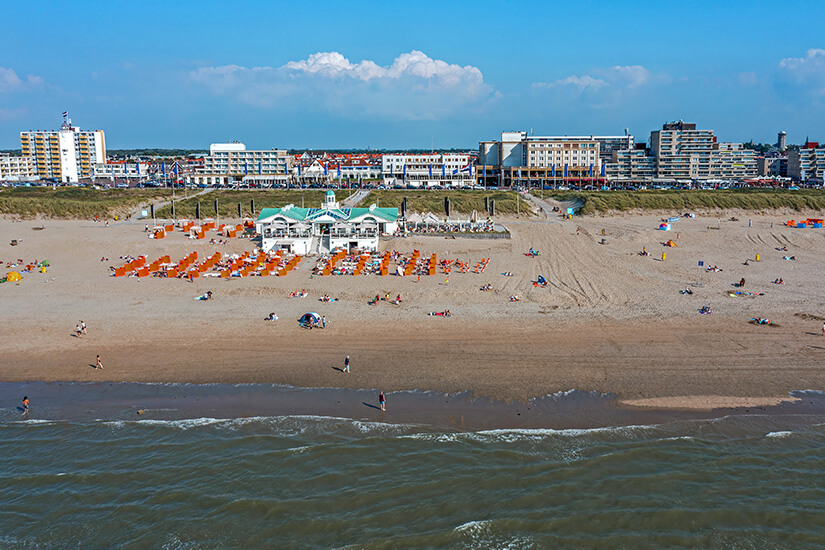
299 168
163 168
603 170
245 168
339 170
565 170
519 173
286 171
405 170
431 169
443 170
259 168
137 167
325 169
483 172
554 171
591 170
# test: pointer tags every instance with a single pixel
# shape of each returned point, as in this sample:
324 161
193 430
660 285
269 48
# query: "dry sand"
610 321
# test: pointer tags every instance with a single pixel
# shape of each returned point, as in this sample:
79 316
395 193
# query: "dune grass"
461 201
228 201
75 202
744 199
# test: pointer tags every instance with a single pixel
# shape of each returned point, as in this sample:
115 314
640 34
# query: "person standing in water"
381 401
26 404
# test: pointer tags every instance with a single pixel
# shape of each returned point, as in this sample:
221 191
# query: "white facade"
116 170
521 159
684 152
67 154
320 230
230 162
15 168
807 163
428 170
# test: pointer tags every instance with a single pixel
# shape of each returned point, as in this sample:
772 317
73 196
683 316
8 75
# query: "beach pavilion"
320 230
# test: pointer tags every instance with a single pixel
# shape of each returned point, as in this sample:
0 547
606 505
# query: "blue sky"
408 74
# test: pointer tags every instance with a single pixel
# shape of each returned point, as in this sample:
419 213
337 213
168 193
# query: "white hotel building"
67 155
521 159
229 163
428 170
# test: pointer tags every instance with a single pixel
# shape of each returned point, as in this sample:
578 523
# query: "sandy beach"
610 320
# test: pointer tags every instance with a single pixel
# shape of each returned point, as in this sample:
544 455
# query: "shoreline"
129 401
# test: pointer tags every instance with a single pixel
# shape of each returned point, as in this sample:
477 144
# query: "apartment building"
772 166
428 169
13 168
682 151
66 155
631 165
229 163
807 163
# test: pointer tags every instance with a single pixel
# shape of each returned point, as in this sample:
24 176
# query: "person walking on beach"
25 404
346 364
83 327
381 401
99 365
323 321
78 331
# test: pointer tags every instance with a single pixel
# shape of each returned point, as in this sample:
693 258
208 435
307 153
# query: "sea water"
78 480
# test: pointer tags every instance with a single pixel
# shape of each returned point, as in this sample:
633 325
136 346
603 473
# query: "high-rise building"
66 155
683 152
807 163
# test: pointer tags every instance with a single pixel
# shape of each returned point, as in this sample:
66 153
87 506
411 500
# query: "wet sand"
610 321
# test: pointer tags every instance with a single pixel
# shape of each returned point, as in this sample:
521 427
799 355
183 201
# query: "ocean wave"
780 434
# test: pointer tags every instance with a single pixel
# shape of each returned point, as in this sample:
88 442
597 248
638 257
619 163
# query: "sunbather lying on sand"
508 273
445 313
514 298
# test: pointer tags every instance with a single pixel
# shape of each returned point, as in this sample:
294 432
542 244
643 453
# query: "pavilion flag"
554 171
299 168
339 170
137 167
468 168
443 170
591 170
175 168
565 170
285 168
483 172
431 169
405 170
259 168
519 173
163 168
602 170
245 168
325 169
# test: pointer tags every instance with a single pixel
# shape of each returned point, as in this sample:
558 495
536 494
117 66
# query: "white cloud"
413 86
10 82
624 77
808 71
